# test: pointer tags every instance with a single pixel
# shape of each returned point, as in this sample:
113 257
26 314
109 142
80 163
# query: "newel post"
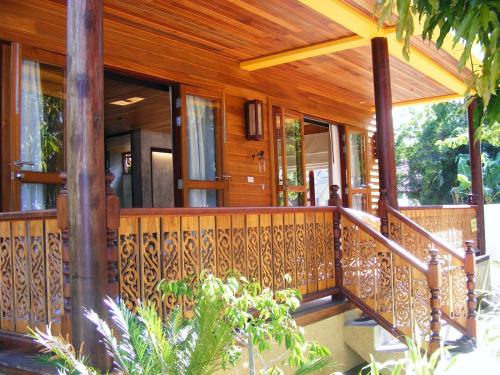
470 273
112 224
336 201
383 214
434 283
62 224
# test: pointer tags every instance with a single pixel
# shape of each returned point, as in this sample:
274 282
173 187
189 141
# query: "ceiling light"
135 99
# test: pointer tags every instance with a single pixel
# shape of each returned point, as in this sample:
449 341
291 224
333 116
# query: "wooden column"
476 197
434 283
112 224
337 234
470 273
85 172
383 107
383 214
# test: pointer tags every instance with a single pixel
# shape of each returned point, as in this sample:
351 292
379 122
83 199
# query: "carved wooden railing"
457 268
387 282
31 279
452 224
262 244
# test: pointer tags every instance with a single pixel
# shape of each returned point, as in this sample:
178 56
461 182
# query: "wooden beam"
347 16
385 131
313 50
352 19
431 100
85 173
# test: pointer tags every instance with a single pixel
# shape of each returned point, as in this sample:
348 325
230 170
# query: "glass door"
203 182
357 170
289 136
37 129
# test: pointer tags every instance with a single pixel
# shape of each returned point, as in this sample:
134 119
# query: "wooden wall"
149 54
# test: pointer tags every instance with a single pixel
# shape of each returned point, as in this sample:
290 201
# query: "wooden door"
36 131
203 182
358 187
289 150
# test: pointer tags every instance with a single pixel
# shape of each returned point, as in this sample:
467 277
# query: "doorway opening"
138 128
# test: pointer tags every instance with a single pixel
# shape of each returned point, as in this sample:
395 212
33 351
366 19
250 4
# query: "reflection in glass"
42 123
359 202
293 150
296 199
357 160
201 145
277 122
202 198
38 196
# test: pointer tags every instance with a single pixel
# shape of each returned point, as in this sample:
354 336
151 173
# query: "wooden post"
470 273
477 195
385 131
312 189
85 171
383 214
62 224
112 224
434 283
337 234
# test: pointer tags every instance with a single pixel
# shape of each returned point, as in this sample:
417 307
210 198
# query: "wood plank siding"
202 43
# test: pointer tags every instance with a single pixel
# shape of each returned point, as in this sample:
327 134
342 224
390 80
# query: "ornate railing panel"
418 242
385 278
452 224
261 244
31 279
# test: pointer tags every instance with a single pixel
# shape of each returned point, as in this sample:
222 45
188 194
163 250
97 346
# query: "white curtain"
201 148
32 195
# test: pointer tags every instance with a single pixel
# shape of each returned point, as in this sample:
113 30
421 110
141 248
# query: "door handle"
20 163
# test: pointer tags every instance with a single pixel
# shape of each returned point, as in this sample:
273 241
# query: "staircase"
405 279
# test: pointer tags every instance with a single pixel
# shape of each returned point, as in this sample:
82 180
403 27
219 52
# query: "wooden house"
149 140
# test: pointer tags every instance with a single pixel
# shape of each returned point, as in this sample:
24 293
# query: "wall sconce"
254 126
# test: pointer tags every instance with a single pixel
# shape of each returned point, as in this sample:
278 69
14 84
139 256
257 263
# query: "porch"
145 73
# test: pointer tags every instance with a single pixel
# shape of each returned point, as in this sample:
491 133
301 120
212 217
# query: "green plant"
467 22
227 317
415 362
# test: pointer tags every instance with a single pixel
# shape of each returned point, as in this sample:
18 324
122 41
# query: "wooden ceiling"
202 42
245 29
152 113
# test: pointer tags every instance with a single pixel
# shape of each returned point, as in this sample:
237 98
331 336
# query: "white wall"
492 229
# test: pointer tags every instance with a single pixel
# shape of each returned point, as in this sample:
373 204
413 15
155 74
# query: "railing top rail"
28 215
219 211
451 206
391 245
426 234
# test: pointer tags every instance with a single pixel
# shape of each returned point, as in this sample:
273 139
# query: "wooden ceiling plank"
431 100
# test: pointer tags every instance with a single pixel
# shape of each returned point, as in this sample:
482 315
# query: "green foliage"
468 22
227 317
428 154
51 131
416 362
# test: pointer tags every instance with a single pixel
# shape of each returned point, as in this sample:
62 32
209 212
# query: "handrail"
425 233
393 246
209 211
27 215
447 206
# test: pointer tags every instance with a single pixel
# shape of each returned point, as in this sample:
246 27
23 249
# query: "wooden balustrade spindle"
434 283
382 213
336 201
112 224
470 273
62 224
